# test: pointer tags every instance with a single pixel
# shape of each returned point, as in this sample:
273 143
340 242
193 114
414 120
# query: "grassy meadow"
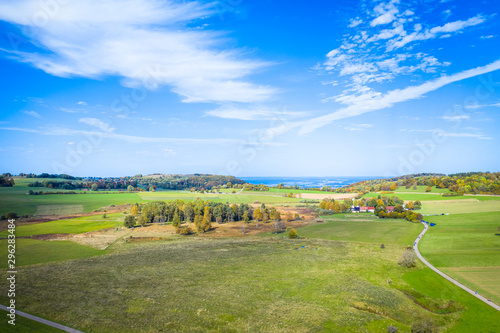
69 226
387 231
429 196
252 284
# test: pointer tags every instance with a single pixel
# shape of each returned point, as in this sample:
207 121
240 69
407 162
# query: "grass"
25 325
460 206
466 247
397 232
482 279
478 316
70 226
249 284
32 251
462 240
428 197
244 197
421 189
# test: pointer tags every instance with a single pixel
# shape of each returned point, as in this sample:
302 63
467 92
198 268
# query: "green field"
428 197
460 206
399 232
249 284
32 251
244 197
467 247
71 226
15 199
421 189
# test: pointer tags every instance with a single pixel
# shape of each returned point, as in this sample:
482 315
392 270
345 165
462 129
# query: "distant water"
306 181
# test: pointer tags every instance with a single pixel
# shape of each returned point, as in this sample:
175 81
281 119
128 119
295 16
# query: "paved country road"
43 321
415 248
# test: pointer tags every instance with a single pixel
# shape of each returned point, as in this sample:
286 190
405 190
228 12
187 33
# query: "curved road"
43 321
455 282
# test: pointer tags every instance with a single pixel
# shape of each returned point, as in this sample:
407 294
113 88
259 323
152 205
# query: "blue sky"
249 88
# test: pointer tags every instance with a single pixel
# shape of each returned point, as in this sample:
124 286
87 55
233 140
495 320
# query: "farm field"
421 189
59 204
191 286
398 232
69 226
467 247
32 251
460 206
245 197
428 197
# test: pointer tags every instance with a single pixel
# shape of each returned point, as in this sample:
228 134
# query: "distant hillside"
460 183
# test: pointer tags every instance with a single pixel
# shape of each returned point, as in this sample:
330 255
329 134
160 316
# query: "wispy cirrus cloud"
145 42
370 100
358 127
94 122
62 131
255 113
456 117
480 106
33 114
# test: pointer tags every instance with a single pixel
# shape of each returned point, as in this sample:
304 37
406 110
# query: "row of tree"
201 213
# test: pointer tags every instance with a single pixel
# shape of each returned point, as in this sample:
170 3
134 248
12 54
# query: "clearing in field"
336 196
58 209
378 231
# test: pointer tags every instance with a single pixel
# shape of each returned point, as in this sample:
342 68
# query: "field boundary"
43 321
455 282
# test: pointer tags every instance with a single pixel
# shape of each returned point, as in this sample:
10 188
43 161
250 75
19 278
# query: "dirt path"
43 321
455 282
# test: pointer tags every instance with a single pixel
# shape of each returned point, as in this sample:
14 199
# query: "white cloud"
33 114
355 22
67 110
465 135
456 118
58 131
479 106
82 103
145 42
94 122
383 19
256 113
358 127
434 32
487 37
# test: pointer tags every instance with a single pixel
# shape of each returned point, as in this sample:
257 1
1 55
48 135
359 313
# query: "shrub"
129 221
11 215
292 233
423 326
408 259
184 230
